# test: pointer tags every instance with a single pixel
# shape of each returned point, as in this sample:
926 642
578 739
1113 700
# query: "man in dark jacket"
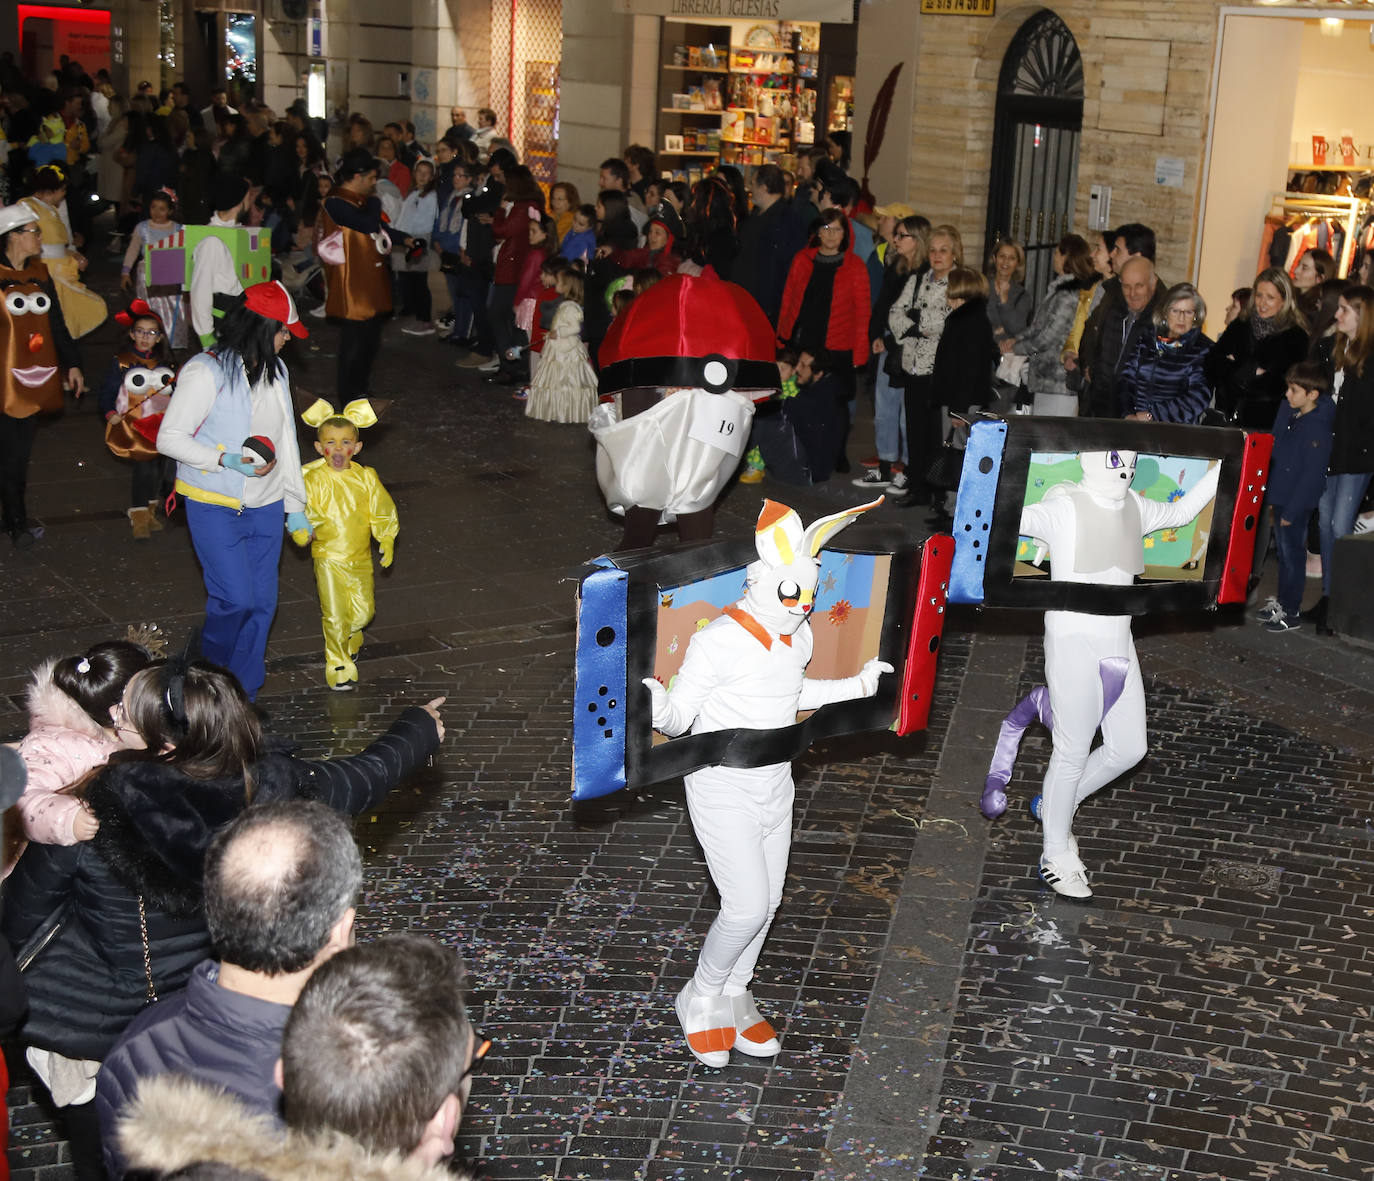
768 242
281 882
1101 348
479 267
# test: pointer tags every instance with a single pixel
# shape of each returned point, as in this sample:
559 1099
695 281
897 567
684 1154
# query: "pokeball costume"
348 507
1095 532
678 360
747 669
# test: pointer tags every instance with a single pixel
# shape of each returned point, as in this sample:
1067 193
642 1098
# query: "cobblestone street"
942 1014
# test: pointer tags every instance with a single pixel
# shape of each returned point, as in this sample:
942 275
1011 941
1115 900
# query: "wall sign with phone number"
959 7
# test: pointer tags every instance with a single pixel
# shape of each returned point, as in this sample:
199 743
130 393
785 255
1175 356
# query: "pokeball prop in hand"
258 449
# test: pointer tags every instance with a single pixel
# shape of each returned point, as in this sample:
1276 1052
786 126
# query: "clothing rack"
1348 210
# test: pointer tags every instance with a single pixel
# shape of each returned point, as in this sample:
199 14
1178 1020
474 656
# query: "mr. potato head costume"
38 356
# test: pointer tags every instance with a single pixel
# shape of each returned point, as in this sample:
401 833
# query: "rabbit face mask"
1108 474
780 588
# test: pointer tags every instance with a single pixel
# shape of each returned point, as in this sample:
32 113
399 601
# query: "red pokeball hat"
695 331
273 302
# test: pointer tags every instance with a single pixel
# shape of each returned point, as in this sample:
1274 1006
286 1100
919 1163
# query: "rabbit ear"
778 534
819 532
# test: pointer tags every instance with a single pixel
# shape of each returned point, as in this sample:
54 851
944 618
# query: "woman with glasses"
1164 380
906 254
37 358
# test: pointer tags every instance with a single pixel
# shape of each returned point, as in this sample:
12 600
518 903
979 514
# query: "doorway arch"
1039 115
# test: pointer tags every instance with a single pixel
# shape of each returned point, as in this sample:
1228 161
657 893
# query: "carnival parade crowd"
179 893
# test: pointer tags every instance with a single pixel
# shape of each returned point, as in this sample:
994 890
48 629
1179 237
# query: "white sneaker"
899 482
1314 565
1271 610
1364 523
422 328
1066 875
492 366
753 1035
708 1022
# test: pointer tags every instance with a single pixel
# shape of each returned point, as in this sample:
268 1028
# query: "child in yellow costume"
347 507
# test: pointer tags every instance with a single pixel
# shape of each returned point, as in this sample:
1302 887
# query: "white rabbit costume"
1095 533
747 669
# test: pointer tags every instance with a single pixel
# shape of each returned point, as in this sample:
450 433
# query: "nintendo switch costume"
747 669
347 508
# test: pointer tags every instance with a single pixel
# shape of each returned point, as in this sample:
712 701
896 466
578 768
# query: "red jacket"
849 304
512 230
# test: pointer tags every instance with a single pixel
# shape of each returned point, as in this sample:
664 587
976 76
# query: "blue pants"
1291 543
889 417
239 553
1336 515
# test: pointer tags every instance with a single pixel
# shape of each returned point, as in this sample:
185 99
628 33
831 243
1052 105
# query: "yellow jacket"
347 509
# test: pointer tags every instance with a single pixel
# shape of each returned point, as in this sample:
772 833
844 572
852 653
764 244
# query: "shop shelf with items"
691 98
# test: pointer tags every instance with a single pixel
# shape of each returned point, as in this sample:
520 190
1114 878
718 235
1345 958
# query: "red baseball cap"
273 302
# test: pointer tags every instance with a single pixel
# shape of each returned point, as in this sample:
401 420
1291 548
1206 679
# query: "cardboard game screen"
846 622
1171 555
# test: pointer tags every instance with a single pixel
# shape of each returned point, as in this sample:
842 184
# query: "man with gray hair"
281 884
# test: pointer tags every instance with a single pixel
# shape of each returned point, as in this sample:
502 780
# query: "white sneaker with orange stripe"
753 1035
709 1023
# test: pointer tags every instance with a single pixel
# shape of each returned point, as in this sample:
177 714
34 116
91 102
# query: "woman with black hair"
111 924
712 238
234 400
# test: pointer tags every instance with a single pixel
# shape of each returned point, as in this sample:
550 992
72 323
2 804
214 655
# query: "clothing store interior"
1290 162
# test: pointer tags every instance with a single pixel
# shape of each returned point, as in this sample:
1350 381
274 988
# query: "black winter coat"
768 242
964 359
1352 439
90 980
1232 369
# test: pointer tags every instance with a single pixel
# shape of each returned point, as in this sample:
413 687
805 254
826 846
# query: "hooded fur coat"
174 1123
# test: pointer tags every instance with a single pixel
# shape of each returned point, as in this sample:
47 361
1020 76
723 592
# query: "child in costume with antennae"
348 507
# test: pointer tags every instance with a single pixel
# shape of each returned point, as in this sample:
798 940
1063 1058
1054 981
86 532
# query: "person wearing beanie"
212 262
356 251
236 504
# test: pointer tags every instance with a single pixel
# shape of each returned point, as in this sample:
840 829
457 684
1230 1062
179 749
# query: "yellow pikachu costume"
346 508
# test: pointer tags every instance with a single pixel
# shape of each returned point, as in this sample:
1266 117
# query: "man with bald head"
281 883
1102 347
1141 291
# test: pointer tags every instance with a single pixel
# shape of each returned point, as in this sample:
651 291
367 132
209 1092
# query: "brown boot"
153 523
139 518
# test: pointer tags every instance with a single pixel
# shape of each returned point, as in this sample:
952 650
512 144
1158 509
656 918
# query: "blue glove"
238 464
298 523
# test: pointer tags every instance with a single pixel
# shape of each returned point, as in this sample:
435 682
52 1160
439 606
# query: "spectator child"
347 507
159 224
579 243
74 727
564 387
546 304
412 259
1297 478
148 353
531 283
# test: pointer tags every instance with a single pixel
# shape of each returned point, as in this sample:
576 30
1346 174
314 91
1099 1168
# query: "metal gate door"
1035 144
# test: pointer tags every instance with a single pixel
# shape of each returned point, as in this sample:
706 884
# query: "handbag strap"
147 952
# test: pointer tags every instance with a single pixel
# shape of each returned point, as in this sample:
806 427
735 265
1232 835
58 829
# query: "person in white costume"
746 669
1095 532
